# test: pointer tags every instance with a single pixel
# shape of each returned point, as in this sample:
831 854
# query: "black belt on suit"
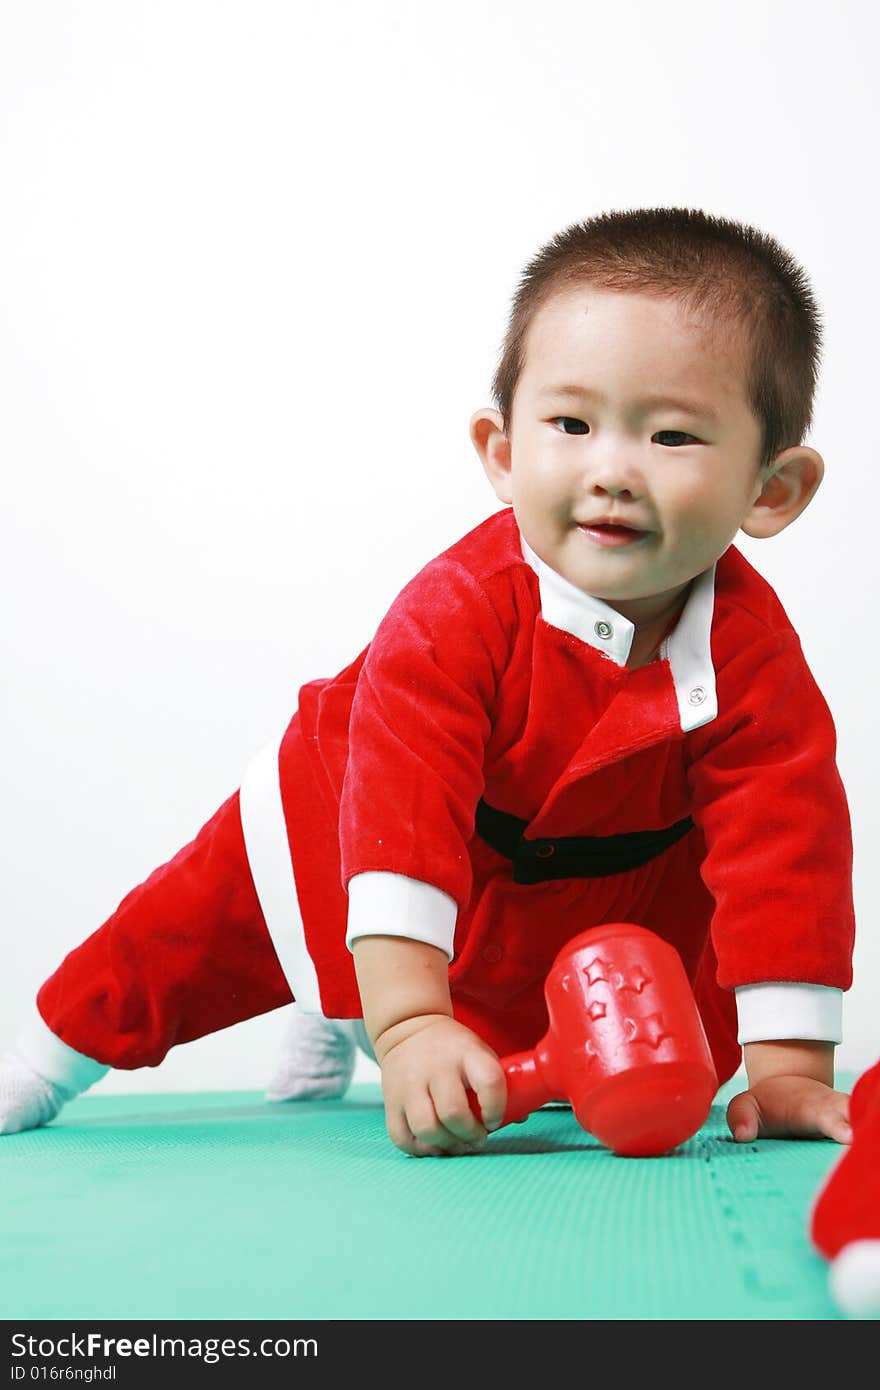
572 856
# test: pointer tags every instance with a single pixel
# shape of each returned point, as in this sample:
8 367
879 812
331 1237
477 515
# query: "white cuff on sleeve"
769 1012
383 904
52 1059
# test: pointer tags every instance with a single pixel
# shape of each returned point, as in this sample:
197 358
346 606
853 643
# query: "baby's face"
627 497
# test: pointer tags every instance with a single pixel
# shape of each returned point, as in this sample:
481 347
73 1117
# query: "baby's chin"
622 579
641 603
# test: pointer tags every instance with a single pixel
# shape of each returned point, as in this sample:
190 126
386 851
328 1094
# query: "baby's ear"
493 447
790 485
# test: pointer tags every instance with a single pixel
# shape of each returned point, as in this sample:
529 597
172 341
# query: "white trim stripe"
777 1010
387 904
52 1059
268 852
689 650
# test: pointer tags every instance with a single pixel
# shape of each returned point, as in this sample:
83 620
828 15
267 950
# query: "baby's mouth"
611 533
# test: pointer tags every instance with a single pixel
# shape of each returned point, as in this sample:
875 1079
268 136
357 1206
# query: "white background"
255 264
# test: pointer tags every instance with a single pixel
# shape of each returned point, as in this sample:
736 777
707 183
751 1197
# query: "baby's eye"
570 420
681 435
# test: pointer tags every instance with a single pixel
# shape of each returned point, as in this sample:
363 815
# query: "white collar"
688 648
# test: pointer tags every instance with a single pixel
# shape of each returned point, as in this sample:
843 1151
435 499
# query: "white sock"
27 1100
316 1060
854 1279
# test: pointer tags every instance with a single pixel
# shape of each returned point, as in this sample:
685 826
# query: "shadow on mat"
498 1148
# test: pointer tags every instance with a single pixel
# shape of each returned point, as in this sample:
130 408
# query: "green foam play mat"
224 1206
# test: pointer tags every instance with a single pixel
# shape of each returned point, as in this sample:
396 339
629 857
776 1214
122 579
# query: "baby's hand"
425 1078
789 1107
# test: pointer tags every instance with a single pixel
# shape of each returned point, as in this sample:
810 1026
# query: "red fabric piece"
184 954
847 1206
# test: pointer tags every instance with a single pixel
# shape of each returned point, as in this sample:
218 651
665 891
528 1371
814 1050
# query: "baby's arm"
781 879
428 1060
791 1094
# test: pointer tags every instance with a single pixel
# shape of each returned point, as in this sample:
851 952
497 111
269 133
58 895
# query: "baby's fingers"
471 1099
424 1131
744 1118
404 1136
829 1118
454 1110
485 1075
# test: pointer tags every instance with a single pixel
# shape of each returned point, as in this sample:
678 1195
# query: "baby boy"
589 709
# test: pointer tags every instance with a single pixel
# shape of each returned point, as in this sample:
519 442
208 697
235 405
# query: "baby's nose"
615 487
615 476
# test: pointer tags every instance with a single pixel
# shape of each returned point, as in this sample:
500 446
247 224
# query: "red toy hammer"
625 1044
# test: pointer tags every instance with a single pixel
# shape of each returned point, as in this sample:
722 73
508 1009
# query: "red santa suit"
489 776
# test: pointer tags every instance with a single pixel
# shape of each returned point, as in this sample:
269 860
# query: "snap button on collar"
603 630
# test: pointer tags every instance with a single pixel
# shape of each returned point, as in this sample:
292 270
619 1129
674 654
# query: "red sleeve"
420 721
772 809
